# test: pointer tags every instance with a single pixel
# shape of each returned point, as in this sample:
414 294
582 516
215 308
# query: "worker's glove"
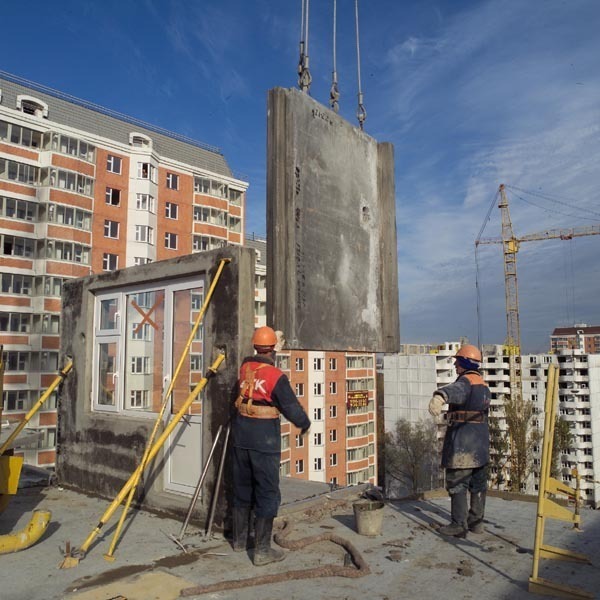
304 431
436 404
280 341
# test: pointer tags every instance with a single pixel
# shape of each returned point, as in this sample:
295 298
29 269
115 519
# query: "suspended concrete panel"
331 221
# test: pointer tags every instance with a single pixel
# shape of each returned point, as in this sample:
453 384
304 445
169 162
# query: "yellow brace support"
549 509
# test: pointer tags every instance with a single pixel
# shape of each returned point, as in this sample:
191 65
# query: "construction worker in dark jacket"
265 392
465 453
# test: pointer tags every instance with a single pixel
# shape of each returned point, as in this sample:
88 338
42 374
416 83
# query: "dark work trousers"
460 481
256 481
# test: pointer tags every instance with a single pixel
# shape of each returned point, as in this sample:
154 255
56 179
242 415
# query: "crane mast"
512 345
510 245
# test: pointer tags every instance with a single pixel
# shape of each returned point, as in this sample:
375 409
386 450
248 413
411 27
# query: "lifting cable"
361 113
304 77
334 92
477 286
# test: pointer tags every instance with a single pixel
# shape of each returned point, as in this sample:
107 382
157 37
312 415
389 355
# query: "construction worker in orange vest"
264 393
466 449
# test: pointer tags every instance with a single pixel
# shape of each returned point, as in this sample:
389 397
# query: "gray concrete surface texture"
409 559
99 450
332 261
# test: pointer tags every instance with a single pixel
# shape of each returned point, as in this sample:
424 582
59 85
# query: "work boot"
458 509
475 518
241 516
263 553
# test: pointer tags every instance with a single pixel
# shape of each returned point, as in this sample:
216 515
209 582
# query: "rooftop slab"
409 559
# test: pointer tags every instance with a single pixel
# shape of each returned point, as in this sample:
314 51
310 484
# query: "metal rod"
213 504
199 485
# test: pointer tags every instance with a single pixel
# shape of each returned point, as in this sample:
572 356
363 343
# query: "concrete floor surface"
409 559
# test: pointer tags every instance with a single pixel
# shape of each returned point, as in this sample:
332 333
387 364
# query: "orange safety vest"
257 381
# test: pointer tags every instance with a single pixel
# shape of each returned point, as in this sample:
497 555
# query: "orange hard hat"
469 351
264 336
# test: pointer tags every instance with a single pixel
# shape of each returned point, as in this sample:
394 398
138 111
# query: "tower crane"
510 246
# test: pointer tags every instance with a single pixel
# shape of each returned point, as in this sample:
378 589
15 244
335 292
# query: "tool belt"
466 416
257 411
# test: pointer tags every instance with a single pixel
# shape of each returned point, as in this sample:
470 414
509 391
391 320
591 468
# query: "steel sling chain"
361 113
334 92
304 77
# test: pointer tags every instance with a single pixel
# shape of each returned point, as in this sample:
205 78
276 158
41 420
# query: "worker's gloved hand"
436 404
280 341
304 431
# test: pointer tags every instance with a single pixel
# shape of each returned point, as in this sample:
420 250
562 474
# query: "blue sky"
471 93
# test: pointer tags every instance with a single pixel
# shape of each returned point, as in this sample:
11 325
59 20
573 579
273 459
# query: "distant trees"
499 451
523 437
563 440
411 456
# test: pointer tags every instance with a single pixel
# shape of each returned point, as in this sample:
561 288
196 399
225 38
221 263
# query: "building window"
171 210
111 229
140 365
318 414
317 364
333 411
11 283
333 364
144 202
113 164
318 464
23 136
318 439
333 435
110 262
171 241
318 389
32 106
141 260
172 181
20 172
333 387
144 233
12 208
141 332
113 196
139 140
235 196
299 364
147 171
299 389
138 399
299 466
299 441
333 460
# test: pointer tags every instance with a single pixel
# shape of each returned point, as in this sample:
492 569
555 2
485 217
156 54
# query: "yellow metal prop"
73 559
549 509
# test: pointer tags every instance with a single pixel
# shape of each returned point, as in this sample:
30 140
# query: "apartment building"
84 190
410 378
579 337
338 391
